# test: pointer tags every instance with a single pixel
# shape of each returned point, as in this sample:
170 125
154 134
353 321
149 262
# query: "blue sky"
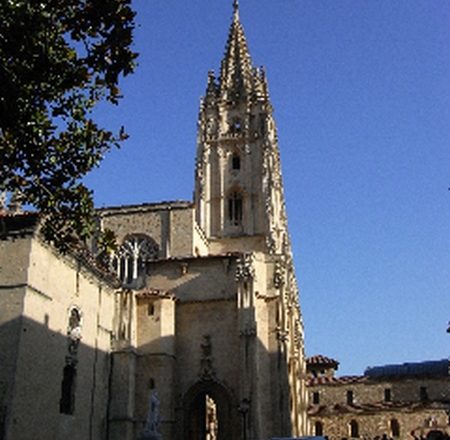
361 91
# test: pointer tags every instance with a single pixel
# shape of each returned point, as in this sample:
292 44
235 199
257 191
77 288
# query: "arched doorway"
208 412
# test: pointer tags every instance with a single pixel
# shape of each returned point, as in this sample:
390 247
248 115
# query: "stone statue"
152 423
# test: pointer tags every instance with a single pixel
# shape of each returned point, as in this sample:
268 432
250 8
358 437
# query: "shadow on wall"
50 389
244 381
47 391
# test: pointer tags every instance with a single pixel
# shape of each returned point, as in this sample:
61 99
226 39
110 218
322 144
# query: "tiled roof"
154 293
344 380
318 359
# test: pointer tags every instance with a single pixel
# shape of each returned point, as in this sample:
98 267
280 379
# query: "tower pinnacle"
236 69
235 10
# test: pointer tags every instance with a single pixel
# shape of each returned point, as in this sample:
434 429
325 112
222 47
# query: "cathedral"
199 334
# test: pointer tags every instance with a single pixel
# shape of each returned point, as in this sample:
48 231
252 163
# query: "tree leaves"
58 59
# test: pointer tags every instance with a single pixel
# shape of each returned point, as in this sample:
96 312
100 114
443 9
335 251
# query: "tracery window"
129 261
235 208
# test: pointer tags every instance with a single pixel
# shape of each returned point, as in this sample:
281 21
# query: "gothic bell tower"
215 325
238 186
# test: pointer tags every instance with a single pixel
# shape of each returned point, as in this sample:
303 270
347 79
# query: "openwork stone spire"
239 190
236 70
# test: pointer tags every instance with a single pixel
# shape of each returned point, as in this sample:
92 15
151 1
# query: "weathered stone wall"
213 314
200 242
14 255
237 244
53 286
194 279
170 225
373 414
371 425
368 391
144 222
181 232
216 320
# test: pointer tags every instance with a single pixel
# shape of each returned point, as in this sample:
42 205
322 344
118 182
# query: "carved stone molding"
249 330
244 268
282 335
207 371
271 244
279 274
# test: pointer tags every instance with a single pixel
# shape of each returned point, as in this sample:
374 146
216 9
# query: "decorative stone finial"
236 9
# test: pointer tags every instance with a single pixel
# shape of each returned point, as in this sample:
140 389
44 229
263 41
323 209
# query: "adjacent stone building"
199 334
395 401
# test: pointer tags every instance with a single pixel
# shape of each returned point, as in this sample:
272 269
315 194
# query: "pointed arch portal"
208 412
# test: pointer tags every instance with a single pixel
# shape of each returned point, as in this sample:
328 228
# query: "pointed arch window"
129 261
235 204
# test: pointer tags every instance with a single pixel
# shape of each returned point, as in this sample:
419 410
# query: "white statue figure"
152 422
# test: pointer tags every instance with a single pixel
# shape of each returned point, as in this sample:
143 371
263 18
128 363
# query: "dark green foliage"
58 58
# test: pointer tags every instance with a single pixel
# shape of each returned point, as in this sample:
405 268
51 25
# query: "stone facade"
57 320
204 337
213 316
402 402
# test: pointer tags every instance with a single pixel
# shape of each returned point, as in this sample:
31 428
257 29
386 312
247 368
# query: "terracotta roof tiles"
319 359
344 380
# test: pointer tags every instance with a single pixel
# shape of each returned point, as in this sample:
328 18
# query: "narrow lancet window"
67 402
354 429
395 428
318 428
235 162
349 397
235 208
